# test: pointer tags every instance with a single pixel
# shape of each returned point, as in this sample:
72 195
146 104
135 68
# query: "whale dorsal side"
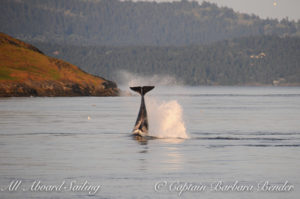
141 124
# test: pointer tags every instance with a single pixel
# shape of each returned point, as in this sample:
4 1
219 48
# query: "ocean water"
232 139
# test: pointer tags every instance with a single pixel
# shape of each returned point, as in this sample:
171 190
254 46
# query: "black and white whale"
141 124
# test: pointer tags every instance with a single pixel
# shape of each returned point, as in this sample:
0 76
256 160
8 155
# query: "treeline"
245 61
113 22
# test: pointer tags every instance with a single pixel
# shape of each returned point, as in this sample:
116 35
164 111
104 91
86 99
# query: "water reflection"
168 158
144 140
140 139
174 158
172 140
143 160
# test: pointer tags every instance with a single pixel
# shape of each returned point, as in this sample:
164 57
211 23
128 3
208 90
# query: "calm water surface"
245 134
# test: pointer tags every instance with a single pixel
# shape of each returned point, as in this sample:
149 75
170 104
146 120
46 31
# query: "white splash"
127 79
165 119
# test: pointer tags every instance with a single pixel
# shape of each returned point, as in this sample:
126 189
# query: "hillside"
260 60
113 22
26 71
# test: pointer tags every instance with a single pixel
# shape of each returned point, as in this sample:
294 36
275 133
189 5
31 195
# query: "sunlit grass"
19 63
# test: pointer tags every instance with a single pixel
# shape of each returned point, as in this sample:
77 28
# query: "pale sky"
264 8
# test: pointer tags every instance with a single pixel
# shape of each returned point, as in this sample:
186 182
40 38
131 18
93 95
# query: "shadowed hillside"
113 22
260 60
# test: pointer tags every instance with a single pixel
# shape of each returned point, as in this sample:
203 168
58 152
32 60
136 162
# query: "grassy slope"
21 63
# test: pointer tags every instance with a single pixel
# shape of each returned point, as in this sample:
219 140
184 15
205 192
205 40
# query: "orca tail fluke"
142 90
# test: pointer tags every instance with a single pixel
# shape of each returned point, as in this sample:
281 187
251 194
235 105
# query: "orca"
141 124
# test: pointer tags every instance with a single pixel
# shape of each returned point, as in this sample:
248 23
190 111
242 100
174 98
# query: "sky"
264 8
